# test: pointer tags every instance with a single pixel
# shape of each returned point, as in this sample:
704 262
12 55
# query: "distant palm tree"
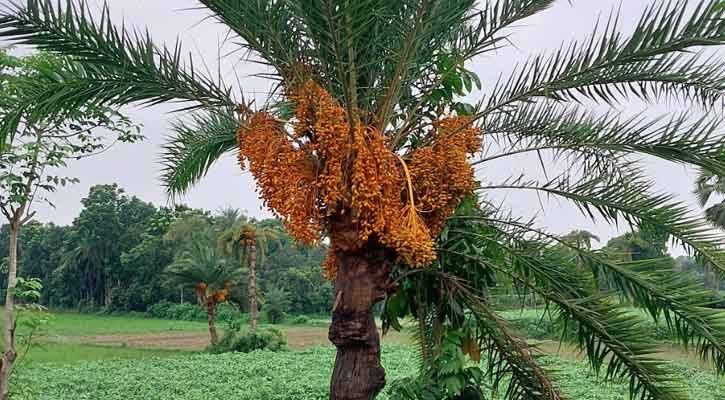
248 243
276 303
707 185
580 238
212 277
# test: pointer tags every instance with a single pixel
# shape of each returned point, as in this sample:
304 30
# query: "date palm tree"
202 268
363 140
247 242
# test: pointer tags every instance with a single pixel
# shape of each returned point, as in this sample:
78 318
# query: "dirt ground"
298 338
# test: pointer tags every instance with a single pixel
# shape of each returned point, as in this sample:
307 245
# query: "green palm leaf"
652 62
197 143
112 66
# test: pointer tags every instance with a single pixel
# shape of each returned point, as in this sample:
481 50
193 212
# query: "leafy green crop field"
275 376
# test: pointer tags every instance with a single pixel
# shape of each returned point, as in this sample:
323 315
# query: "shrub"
301 320
237 340
191 312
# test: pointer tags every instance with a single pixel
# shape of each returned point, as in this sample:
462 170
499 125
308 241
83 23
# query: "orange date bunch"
210 297
323 166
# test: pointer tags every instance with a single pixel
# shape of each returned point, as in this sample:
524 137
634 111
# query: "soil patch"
298 338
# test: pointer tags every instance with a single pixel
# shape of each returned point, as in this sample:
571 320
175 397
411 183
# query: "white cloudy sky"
136 169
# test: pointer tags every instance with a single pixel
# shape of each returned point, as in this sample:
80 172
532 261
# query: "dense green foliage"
238 339
114 254
192 312
278 376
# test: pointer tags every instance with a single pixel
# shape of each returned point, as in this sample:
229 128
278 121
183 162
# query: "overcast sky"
136 168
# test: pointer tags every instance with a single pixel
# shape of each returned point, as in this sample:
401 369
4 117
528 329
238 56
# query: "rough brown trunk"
359 285
211 313
252 288
9 355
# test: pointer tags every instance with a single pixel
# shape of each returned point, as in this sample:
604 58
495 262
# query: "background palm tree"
581 238
276 303
247 242
211 276
707 185
397 68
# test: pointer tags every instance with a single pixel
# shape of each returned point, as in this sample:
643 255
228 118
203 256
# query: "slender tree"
245 240
364 142
37 148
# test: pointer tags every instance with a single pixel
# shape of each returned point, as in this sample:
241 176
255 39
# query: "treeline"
114 255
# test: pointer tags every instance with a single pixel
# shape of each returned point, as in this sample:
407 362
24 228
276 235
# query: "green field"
277 376
76 324
137 360
73 352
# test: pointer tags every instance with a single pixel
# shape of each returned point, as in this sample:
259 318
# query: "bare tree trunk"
9 355
211 313
361 282
252 288
533 298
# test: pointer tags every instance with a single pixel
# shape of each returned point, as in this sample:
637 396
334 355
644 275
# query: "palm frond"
202 263
652 285
707 184
493 19
113 66
631 200
509 356
543 126
267 28
197 143
716 214
612 338
652 62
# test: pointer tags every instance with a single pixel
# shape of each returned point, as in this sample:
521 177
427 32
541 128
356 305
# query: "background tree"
248 242
201 268
276 304
581 238
148 244
365 142
31 158
638 245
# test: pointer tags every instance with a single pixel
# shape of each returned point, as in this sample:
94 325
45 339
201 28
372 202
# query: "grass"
75 324
63 353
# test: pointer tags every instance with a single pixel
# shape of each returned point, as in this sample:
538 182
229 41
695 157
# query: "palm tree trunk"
361 282
252 288
10 353
211 314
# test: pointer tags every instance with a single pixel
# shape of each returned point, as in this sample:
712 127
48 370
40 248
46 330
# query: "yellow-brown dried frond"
442 175
331 265
284 175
